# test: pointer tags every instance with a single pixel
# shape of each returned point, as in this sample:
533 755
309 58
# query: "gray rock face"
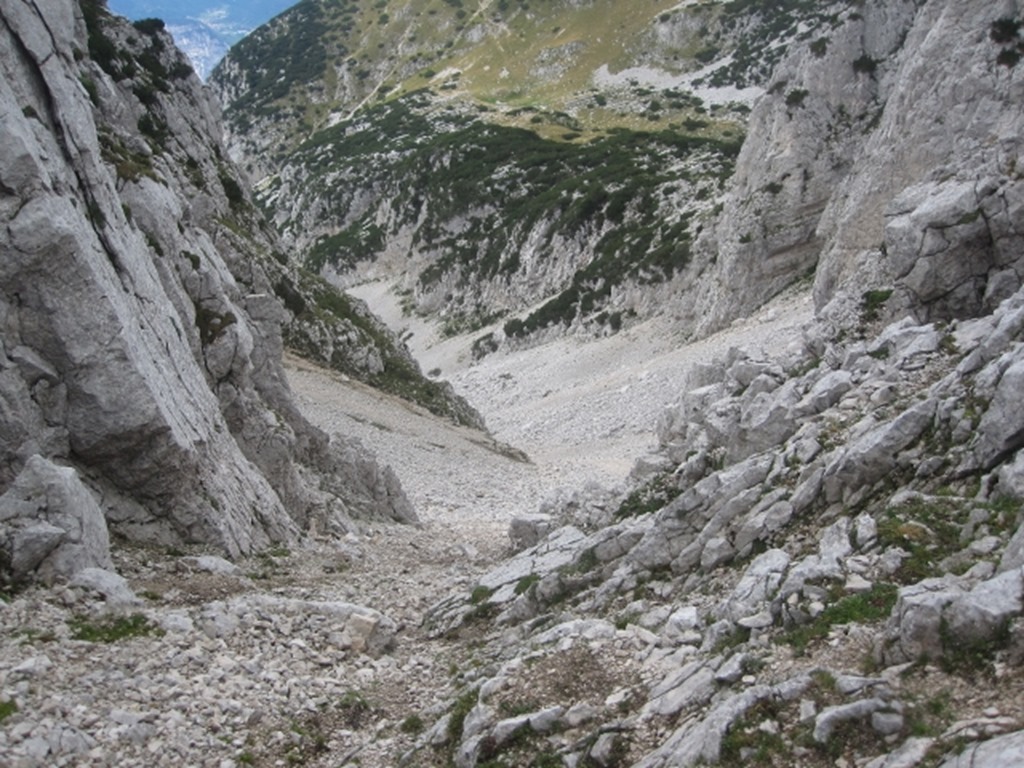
940 617
140 337
1002 426
50 524
1002 750
949 238
883 160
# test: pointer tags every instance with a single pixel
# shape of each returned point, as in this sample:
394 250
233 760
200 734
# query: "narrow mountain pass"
582 411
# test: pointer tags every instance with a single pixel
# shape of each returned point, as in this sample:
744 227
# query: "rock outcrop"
852 490
52 526
141 344
884 157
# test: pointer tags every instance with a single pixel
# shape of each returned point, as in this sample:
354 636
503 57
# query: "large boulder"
50 525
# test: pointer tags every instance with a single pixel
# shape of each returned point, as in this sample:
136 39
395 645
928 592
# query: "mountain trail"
582 411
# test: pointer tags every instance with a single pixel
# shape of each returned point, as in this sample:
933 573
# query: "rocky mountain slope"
884 158
819 561
495 178
517 170
143 304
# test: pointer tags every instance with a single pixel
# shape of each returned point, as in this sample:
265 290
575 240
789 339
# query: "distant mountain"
588 144
203 29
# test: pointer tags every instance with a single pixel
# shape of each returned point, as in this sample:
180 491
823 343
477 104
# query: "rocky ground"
260 662
738 623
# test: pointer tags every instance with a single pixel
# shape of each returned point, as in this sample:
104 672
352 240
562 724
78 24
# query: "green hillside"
582 141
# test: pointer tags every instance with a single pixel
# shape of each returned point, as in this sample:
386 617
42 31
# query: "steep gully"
582 412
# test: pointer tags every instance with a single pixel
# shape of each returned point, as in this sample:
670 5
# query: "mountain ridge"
573 252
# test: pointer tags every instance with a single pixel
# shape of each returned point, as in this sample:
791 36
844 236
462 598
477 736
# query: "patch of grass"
7 708
623 621
354 708
970 658
738 637
929 529
462 707
865 608
651 497
412 725
479 594
112 629
931 717
585 562
515 708
526 582
824 681
871 304
31 636
746 743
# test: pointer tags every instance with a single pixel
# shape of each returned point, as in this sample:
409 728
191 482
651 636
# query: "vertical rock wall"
140 337
884 156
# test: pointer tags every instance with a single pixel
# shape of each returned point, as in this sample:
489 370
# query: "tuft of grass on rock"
412 725
865 608
7 708
112 629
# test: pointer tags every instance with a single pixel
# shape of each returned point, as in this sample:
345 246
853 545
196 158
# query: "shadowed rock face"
140 336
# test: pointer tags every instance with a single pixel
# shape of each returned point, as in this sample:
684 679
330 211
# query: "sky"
203 29
230 18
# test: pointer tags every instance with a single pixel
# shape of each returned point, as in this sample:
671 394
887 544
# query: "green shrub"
354 708
149 26
507 184
795 98
526 582
101 48
865 65
232 189
651 497
153 127
412 725
1004 30
871 303
462 707
1008 57
479 594
112 629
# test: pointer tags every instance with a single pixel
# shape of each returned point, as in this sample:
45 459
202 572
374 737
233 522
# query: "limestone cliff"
883 157
141 334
